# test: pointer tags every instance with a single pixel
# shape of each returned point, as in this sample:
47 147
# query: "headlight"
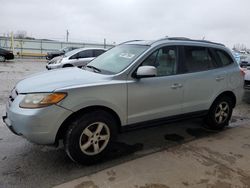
39 100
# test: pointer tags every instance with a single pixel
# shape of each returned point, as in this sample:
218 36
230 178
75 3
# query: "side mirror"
146 71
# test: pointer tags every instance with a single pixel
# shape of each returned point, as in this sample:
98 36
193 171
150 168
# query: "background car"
5 55
51 55
245 65
79 58
245 61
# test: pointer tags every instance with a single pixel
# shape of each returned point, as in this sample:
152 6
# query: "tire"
219 113
2 58
93 132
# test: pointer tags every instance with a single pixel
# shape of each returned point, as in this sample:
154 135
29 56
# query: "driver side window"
164 60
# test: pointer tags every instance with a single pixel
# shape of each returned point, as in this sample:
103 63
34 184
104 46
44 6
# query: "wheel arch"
67 65
65 124
226 93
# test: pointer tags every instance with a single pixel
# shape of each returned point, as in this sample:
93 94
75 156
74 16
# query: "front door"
160 96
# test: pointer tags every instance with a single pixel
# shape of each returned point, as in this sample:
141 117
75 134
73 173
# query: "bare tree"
20 34
239 47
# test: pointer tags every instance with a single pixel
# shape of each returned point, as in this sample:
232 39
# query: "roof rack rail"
188 39
129 41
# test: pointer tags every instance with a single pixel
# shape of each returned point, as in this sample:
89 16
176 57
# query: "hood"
54 60
51 80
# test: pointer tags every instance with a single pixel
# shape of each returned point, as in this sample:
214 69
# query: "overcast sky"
225 21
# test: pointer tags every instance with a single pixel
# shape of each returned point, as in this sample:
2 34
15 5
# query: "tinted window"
98 52
224 58
85 54
164 60
198 59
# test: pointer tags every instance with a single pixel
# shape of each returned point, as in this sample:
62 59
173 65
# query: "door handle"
176 85
219 78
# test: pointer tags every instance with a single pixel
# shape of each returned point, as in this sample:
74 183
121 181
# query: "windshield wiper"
94 68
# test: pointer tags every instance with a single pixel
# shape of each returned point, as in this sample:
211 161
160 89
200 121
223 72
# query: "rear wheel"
2 58
89 136
220 113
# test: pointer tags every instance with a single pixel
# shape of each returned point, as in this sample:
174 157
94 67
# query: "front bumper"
36 125
53 66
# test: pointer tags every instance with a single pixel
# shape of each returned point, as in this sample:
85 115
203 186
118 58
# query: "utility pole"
67 35
12 42
104 43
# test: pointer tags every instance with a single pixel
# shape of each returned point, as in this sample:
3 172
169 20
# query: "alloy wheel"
222 112
2 58
94 138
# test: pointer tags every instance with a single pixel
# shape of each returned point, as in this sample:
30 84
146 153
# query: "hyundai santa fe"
133 84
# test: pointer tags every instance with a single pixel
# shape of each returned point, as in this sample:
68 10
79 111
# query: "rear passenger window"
198 59
224 58
85 54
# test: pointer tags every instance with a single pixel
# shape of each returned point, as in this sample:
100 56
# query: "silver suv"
133 84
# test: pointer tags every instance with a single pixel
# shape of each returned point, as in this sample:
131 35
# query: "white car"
78 57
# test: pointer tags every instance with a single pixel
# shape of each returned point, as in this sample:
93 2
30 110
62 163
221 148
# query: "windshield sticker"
127 55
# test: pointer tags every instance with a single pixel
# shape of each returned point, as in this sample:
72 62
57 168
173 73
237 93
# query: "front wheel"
89 136
2 58
220 113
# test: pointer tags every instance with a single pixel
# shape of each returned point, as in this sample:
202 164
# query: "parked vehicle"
245 65
247 80
5 55
79 57
135 84
51 55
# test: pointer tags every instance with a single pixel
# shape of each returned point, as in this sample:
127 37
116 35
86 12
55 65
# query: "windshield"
70 53
118 58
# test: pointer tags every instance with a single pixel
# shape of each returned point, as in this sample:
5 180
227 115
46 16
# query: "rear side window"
85 54
198 59
224 58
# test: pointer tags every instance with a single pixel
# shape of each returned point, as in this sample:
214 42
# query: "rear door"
204 78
